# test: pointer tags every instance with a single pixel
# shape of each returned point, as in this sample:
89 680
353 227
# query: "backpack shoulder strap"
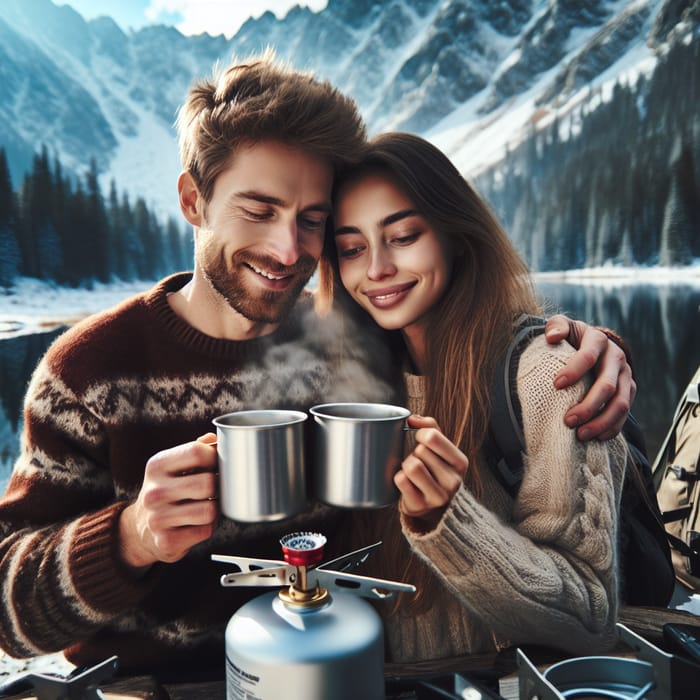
691 396
506 443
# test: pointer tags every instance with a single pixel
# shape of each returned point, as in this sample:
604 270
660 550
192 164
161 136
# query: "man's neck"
204 309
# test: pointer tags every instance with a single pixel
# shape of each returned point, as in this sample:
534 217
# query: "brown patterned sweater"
111 392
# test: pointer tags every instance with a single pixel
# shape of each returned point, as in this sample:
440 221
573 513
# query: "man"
106 529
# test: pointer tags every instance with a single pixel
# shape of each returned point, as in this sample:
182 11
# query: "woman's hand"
430 475
604 410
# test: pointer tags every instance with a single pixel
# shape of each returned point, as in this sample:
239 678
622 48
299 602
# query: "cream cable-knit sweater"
541 569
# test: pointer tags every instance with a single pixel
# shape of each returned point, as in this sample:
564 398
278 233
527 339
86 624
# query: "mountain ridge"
459 72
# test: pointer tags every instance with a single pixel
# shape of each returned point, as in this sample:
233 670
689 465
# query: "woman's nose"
380 265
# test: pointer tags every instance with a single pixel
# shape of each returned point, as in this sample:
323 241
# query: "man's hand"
604 410
431 474
176 507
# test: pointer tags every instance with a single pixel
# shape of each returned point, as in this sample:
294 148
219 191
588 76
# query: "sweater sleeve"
545 574
60 572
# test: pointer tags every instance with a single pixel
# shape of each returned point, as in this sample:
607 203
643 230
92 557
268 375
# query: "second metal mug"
262 474
359 447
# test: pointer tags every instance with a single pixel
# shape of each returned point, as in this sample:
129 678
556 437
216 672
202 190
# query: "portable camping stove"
314 638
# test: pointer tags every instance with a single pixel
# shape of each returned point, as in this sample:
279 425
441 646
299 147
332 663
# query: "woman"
421 254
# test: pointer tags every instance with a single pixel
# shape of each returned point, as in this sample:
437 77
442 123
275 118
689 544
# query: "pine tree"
178 246
115 224
50 249
10 256
134 257
98 227
35 215
7 198
59 201
676 230
156 258
81 257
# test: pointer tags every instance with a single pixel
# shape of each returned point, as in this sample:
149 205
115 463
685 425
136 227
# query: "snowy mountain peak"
446 68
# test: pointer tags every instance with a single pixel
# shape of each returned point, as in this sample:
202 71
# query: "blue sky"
189 16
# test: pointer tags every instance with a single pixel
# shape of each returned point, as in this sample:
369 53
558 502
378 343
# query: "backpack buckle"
682 474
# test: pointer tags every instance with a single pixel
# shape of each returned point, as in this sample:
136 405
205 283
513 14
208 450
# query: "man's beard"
260 306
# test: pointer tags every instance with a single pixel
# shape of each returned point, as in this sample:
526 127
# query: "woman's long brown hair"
469 329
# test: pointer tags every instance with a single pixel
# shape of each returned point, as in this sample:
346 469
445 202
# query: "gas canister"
315 638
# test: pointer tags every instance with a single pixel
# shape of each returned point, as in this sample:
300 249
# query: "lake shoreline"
34 306
611 276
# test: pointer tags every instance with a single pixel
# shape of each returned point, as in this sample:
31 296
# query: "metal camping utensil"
654 675
80 684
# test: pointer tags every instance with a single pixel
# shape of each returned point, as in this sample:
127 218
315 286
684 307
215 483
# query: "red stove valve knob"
303 548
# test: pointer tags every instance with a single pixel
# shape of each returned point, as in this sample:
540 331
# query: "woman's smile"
389 296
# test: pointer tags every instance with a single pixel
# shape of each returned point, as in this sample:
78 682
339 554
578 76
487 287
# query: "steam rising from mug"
331 360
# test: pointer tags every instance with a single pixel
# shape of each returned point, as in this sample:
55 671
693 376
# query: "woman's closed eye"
405 240
350 251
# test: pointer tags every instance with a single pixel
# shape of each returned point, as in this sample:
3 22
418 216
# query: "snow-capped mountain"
474 76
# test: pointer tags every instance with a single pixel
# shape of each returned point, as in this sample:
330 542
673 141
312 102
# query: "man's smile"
266 274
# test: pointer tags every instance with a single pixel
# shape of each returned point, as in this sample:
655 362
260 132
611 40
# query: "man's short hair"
264 99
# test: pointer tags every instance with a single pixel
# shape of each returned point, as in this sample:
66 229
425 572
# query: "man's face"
262 232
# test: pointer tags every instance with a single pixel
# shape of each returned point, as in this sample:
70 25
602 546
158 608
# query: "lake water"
660 322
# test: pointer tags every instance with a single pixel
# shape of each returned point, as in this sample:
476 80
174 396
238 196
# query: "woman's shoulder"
541 358
538 364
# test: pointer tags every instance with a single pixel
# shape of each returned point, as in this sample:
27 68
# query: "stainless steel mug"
359 447
262 473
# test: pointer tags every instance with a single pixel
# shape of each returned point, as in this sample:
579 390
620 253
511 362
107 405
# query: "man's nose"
284 245
381 264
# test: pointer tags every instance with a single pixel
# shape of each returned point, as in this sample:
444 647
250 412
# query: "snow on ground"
613 276
33 306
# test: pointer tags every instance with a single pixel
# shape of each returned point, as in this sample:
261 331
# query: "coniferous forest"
61 229
616 180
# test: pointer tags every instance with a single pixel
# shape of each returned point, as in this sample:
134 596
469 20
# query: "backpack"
677 479
646 572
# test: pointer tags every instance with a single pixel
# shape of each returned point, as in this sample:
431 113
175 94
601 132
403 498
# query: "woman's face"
393 264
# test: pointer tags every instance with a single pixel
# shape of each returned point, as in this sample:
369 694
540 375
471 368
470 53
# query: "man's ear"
191 202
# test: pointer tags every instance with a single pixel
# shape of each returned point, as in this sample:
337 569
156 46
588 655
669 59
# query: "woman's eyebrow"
345 230
386 221
403 214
